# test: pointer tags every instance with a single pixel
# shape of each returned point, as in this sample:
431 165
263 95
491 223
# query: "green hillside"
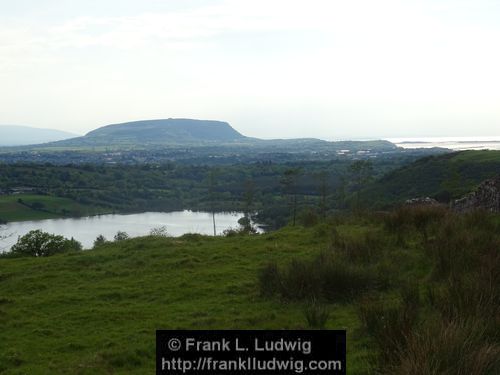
199 141
443 177
400 288
21 207
98 310
155 132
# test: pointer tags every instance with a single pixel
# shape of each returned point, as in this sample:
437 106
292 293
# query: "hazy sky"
271 68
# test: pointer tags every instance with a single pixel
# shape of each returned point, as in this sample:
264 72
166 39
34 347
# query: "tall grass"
409 219
456 347
365 247
454 328
328 277
316 315
390 323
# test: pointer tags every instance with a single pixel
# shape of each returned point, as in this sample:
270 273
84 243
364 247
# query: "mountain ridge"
173 123
208 137
160 131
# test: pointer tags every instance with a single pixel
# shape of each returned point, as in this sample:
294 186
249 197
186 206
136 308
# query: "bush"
121 236
327 277
99 241
246 226
269 280
37 243
231 232
342 280
159 231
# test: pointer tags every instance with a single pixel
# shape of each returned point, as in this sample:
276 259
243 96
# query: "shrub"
300 280
269 280
231 232
246 226
121 236
341 280
37 243
326 277
159 231
99 241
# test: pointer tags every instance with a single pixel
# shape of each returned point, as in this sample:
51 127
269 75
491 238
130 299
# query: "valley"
342 249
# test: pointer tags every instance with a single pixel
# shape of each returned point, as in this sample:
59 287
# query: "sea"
452 143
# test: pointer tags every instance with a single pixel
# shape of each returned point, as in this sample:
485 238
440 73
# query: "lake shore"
86 229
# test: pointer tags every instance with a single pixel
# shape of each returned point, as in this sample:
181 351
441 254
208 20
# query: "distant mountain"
193 141
158 132
443 177
181 132
14 135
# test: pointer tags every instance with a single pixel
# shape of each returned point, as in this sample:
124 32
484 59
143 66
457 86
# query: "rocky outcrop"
485 197
423 201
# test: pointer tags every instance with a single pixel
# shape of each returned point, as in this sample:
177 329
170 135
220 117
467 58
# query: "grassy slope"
12 210
455 173
98 310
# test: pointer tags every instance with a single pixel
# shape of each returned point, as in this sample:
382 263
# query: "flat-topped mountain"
193 141
166 131
16 135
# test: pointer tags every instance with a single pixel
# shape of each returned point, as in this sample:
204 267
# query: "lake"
86 229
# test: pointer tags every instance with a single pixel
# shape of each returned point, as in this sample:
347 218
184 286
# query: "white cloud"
331 57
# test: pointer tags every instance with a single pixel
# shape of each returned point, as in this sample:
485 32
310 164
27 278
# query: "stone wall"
485 197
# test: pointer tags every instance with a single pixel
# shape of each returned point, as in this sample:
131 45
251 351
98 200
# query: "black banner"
250 352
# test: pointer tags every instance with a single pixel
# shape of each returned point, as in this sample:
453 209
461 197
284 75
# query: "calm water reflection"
86 229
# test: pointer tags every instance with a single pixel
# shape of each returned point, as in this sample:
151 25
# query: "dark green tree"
37 243
99 241
121 236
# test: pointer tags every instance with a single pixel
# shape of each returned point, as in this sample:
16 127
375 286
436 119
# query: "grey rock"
485 197
422 201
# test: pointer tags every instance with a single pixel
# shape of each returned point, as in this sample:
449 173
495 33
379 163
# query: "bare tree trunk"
211 189
294 208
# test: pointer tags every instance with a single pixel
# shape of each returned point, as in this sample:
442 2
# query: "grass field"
96 311
51 207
